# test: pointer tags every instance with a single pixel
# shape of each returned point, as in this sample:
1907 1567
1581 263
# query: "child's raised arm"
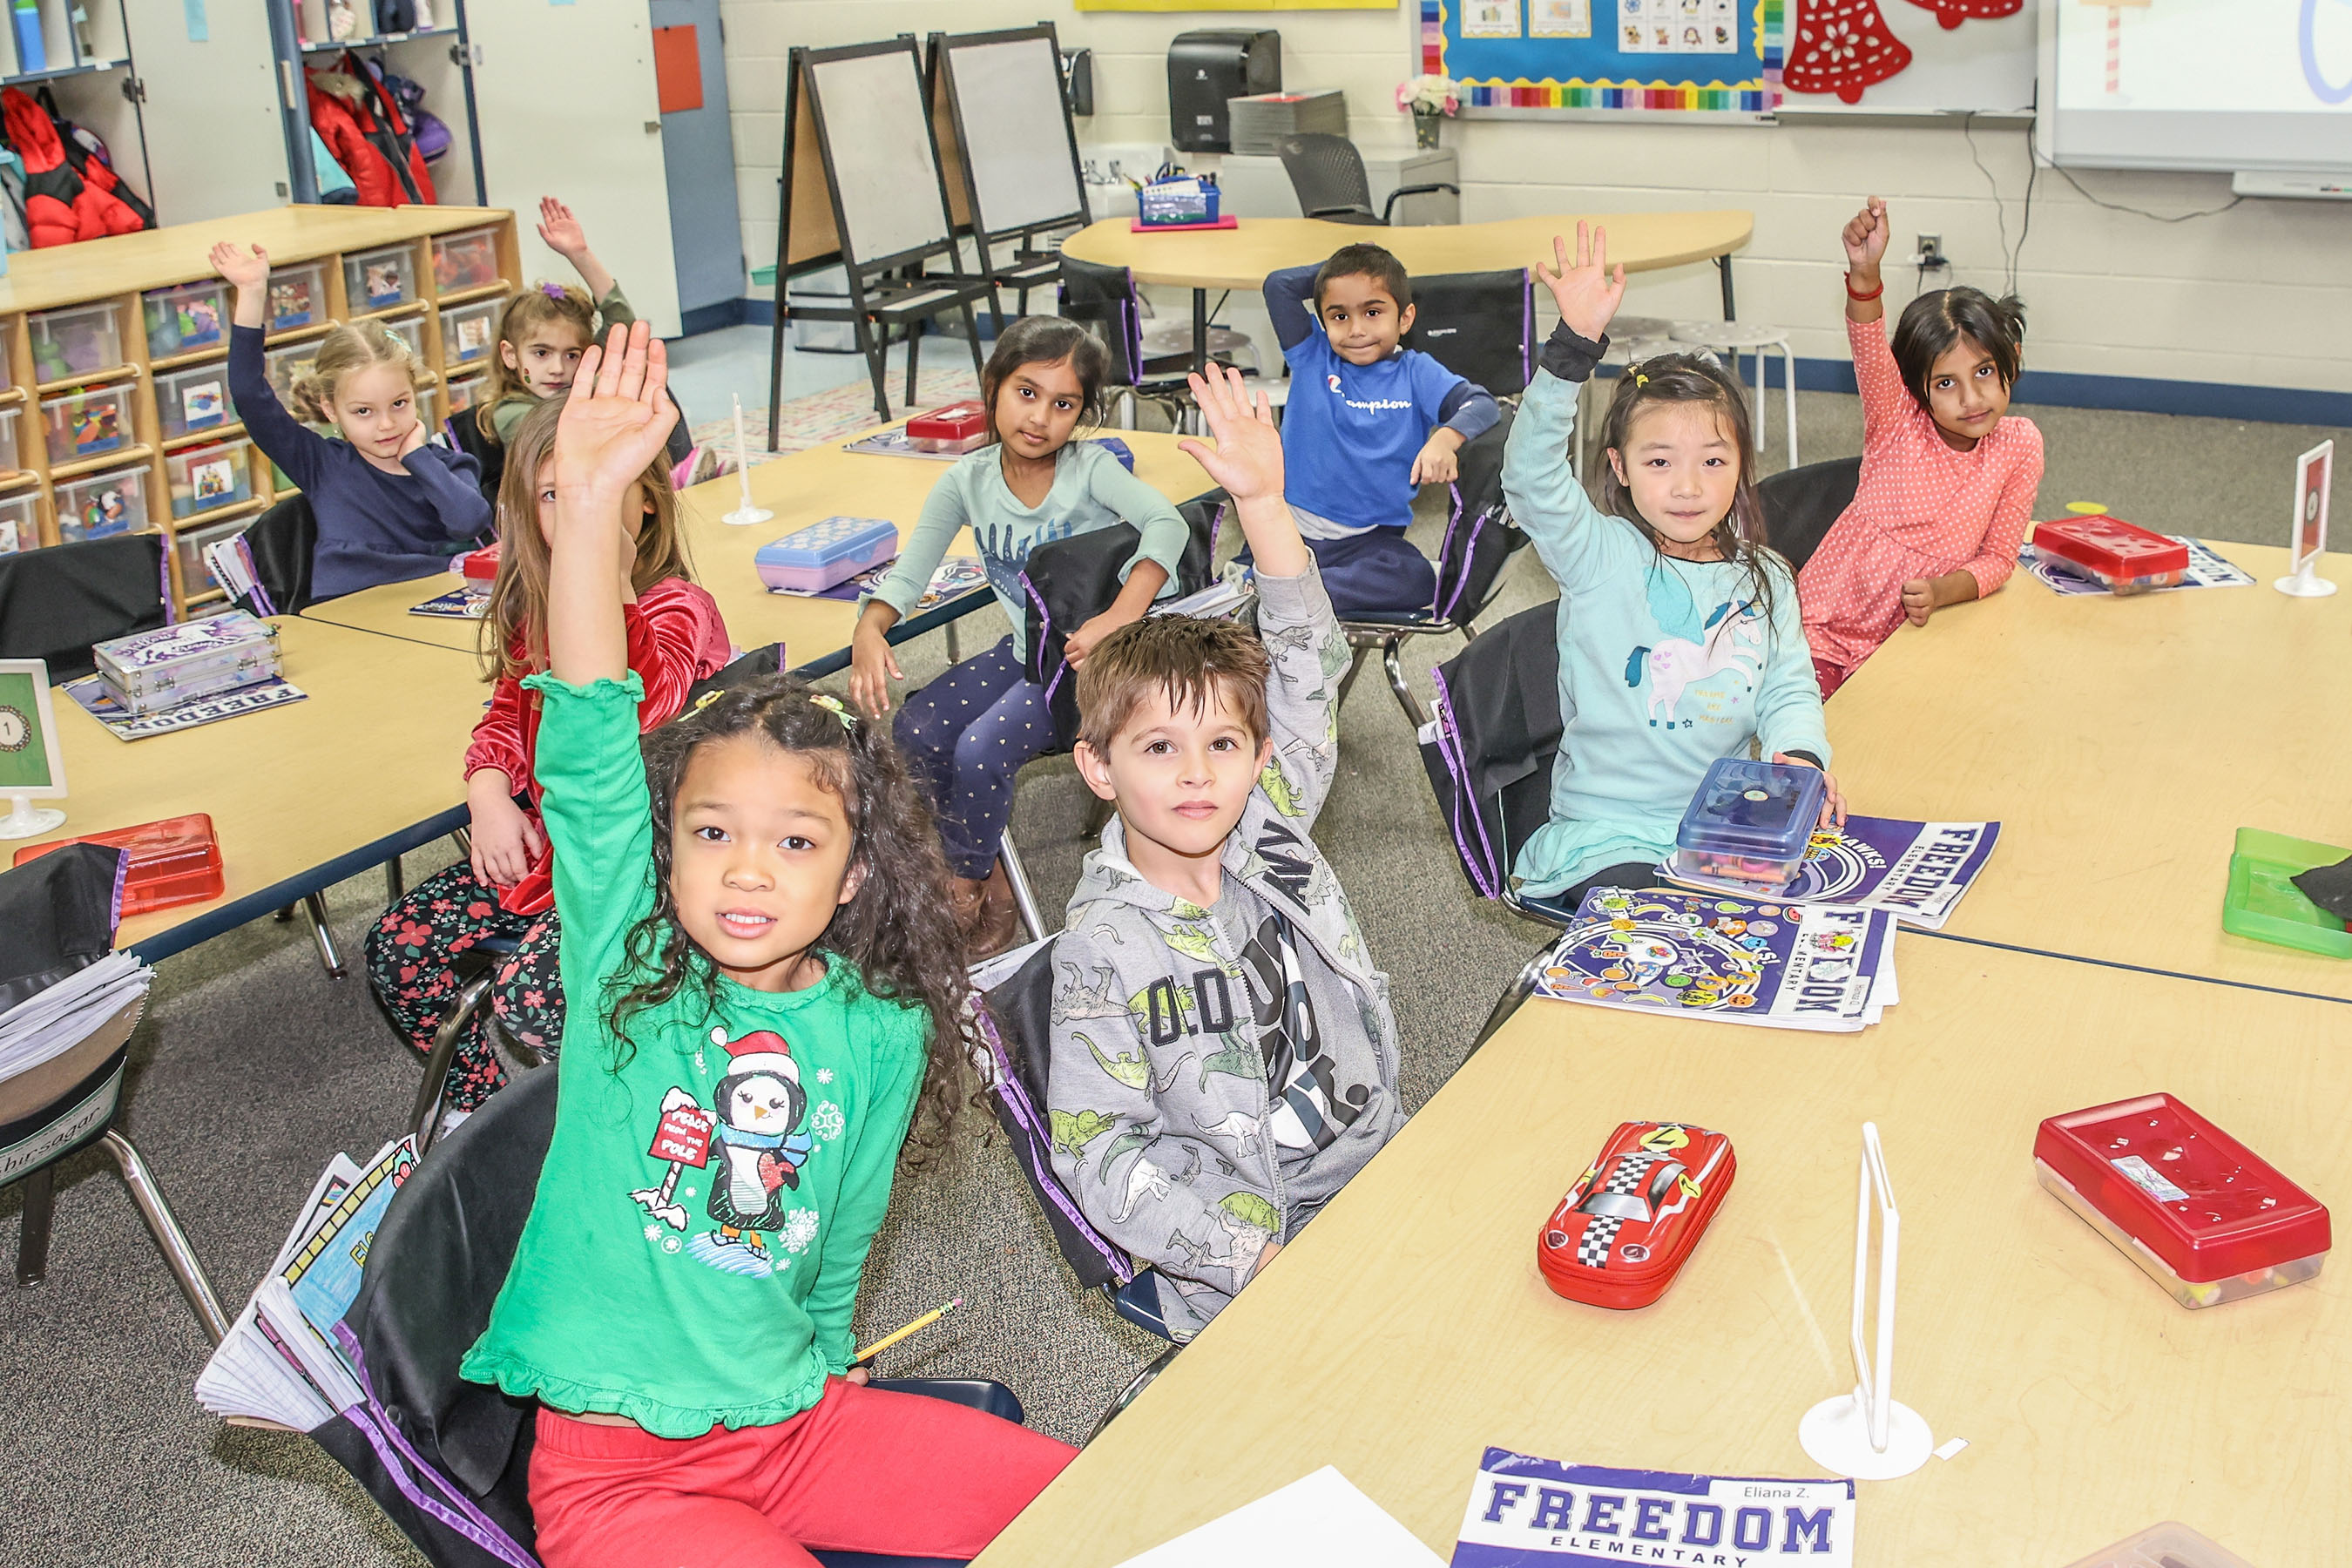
563 235
613 426
1865 247
1548 500
1248 462
249 271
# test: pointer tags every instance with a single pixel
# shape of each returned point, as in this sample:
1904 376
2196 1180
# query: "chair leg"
395 881
1032 918
316 904
464 839
955 643
425 1115
1143 1380
33 1231
1355 665
1519 991
1789 355
169 1239
1391 662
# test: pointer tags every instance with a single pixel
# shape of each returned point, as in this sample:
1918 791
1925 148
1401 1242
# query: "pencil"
925 1321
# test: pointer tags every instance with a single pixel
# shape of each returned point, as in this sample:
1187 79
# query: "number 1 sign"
30 762
2313 471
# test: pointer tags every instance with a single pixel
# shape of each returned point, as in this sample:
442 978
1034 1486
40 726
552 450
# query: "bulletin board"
1716 58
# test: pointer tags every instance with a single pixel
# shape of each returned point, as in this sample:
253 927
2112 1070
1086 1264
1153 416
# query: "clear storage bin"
7 361
298 296
190 317
464 394
428 399
74 340
468 330
10 461
467 261
84 423
285 366
187 401
409 330
379 280
20 524
102 504
205 478
195 577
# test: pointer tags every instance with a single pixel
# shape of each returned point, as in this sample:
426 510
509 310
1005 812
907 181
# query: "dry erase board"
1016 138
877 139
1691 57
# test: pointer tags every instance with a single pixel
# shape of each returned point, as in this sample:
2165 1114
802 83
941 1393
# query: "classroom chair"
478 967
464 431
1480 541
1104 302
1479 325
59 912
1069 581
1799 505
1327 173
56 602
282 542
449 1461
1014 1018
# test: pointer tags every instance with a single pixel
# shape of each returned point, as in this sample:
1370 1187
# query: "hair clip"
555 291
710 697
1640 380
831 705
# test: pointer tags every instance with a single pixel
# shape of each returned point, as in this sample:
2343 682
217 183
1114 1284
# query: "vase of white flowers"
1429 99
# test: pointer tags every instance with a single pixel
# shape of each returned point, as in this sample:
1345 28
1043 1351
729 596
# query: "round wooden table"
1240 258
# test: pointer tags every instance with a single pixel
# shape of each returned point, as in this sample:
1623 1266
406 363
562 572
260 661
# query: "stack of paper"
1259 123
51 1023
1916 871
1786 966
282 1361
1220 600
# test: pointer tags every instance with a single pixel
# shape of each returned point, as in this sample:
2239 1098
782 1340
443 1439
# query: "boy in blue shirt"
1367 423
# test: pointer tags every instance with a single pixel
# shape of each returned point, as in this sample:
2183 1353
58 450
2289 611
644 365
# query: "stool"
1736 338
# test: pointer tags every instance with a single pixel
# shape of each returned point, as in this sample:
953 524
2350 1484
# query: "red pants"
862 1470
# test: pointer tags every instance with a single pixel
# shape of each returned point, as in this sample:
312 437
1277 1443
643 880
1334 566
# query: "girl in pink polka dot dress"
1948 480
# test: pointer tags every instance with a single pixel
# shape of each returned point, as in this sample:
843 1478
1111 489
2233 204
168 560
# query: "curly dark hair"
1686 378
899 930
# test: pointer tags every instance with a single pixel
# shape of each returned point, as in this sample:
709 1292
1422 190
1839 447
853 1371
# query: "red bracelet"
1873 294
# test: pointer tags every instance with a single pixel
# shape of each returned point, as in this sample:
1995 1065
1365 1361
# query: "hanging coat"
362 127
66 198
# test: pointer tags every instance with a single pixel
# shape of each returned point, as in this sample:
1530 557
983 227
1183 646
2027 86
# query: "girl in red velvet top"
1948 479
675 638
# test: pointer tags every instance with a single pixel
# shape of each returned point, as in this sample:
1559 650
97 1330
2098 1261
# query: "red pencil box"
2126 557
958 428
479 567
1634 1217
2202 1215
174 862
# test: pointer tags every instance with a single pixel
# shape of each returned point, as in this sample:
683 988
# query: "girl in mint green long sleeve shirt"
1680 640
766 992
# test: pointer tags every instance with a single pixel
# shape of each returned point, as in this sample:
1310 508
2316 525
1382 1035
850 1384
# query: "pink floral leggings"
412 962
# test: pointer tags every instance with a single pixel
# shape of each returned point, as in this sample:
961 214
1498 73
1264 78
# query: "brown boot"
968 901
998 925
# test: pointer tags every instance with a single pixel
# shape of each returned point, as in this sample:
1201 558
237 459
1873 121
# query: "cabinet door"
226 84
567 109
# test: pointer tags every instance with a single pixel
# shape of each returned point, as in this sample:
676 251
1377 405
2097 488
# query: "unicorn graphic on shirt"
1734 632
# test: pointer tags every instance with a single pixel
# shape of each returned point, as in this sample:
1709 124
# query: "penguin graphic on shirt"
757 1147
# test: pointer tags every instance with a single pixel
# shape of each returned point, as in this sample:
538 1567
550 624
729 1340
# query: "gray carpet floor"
253 1068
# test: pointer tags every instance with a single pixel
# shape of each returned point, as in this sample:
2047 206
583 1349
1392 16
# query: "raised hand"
618 416
246 268
1584 289
1866 237
560 229
1247 458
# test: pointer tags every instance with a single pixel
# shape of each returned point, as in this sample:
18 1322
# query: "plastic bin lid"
2193 1195
2110 546
952 422
822 543
1763 809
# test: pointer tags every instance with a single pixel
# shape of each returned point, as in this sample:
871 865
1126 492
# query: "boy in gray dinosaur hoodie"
1223 1058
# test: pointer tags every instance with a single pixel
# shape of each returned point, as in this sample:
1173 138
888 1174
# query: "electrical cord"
2068 177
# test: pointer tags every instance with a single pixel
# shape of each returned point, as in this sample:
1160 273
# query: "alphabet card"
1525 1512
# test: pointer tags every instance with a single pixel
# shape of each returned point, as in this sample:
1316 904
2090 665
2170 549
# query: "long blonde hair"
535 307
514 631
346 347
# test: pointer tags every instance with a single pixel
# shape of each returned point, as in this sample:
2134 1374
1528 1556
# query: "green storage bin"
2261 903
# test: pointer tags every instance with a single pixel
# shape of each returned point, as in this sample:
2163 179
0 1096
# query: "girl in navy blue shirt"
389 505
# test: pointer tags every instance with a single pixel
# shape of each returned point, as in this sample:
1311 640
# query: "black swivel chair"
1327 173
1801 504
56 602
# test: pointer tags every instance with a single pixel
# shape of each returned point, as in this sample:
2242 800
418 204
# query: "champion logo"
1334 379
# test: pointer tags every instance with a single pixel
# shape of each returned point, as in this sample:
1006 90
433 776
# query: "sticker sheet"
1916 871
1525 1512
1728 959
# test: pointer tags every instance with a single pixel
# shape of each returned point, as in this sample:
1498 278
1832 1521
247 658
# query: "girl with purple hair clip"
546 328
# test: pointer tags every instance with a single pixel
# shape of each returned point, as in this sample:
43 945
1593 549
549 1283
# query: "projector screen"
2197 84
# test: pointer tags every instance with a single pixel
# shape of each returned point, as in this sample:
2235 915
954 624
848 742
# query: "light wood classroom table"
2121 744
1408 1328
300 796
801 488
1241 256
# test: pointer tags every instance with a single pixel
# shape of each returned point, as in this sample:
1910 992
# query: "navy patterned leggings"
412 962
966 735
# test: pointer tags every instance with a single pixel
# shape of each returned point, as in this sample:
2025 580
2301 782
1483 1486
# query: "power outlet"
1930 252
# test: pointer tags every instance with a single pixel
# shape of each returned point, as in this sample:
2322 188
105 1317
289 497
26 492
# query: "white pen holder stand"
25 820
1865 1433
749 511
2306 582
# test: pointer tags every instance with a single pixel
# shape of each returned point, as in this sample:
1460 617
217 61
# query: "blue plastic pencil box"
810 560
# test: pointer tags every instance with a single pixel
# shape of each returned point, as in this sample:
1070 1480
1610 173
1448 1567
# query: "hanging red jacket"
369 137
61 206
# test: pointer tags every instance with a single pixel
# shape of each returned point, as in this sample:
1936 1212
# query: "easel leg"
874 355
914 344
972 328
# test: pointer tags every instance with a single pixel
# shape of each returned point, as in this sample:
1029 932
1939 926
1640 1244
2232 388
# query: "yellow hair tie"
1641 380
831 705
710 697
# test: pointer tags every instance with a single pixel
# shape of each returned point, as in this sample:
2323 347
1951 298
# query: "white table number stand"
1865 1433
748 513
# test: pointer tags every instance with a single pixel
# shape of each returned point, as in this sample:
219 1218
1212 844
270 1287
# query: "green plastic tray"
2263 904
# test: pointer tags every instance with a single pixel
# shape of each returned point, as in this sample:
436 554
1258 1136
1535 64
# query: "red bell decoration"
1842 47
1951 14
